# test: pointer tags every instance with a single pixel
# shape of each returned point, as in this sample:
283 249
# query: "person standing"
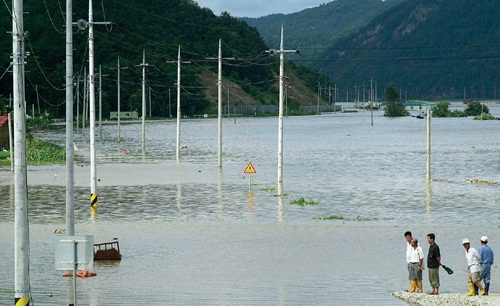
487 258
415 267
409 250
433 263
473 267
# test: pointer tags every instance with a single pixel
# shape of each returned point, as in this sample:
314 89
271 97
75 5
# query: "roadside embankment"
455 299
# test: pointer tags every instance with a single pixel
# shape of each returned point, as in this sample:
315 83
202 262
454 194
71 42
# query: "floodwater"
191 235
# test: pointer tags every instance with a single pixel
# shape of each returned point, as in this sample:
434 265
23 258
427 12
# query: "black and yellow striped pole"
22 301
93 200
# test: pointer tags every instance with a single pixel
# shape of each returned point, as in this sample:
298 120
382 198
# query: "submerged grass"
303 202
38 152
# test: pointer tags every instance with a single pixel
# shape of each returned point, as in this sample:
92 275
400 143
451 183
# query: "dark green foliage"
157 27
441 109
321 26
394 106
39 151
476 109
431 49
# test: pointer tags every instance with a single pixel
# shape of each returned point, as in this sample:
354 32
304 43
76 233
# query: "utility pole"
371 99
150 101
280 114
93 175
144 65
70 163
219 108
178 143
169 108
37 99
85 100
21 232
77 103
219 104
100 103
319 87
118 70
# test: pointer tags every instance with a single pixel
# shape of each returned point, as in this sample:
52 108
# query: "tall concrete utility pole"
93 174
219 108
118 70
21 232
70 163
144 65
280 114
93 170
219 104
178 142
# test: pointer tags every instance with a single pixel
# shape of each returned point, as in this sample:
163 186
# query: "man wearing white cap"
474 267
487 258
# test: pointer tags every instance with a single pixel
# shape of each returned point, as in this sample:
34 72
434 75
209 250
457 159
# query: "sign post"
250 170
74 253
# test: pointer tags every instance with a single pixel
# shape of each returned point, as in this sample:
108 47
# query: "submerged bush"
39 151
303 202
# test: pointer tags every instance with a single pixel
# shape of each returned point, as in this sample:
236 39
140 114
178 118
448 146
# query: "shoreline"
423 299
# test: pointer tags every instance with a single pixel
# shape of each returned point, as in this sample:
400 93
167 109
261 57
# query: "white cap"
484 239
465 240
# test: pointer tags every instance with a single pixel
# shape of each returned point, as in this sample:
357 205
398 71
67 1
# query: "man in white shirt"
409 250
474 267
416 267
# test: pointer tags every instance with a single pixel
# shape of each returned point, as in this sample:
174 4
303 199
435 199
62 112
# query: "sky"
258 8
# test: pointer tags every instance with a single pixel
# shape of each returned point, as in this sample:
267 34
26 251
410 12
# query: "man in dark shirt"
433 263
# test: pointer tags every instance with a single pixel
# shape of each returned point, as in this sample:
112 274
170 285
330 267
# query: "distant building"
417 106
124 115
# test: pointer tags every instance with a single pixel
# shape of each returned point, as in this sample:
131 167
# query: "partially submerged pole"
21 232
93 168
70 185
280 118
219 107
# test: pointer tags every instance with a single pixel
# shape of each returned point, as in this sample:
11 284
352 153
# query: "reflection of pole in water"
429 201
219 192
250 202
178 197
93 213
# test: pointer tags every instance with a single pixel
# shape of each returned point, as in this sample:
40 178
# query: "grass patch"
38 151
329 218
269 189
4 154
303 202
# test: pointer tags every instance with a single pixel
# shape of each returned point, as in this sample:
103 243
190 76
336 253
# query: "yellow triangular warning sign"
250 169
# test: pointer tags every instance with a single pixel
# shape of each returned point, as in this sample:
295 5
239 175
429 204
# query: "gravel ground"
458 299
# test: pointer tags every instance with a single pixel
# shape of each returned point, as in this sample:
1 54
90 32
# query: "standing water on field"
193 235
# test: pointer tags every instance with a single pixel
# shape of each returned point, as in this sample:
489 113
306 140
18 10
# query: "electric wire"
50 17
41 70
6 70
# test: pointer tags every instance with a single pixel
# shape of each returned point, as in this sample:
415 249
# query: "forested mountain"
156 27
319 26
431 49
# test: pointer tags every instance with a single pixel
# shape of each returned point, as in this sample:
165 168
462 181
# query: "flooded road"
193 236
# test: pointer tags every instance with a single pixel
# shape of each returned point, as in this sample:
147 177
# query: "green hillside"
320 26
156 27
430 49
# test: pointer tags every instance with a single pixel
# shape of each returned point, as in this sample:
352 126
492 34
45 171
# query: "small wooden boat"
107 251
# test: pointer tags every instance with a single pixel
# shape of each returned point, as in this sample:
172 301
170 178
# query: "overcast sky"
258 8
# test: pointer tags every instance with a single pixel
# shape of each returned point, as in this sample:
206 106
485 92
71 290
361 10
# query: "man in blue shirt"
487 258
